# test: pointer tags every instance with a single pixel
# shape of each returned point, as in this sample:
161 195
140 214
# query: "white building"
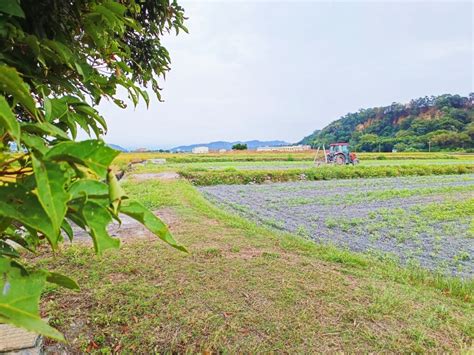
222 150
200 150
288 148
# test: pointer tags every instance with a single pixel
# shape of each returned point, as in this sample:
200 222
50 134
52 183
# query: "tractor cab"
335 148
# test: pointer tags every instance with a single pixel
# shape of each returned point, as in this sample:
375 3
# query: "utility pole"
429 146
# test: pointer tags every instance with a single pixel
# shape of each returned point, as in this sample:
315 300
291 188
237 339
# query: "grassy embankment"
243 288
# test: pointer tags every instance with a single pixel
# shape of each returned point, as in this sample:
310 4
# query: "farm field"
425 221
246 288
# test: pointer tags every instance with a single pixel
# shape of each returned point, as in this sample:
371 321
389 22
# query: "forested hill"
445 122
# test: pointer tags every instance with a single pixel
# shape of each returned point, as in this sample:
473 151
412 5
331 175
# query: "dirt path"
166 175
130 229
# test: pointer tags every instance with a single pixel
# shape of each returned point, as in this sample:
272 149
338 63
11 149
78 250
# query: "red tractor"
338 153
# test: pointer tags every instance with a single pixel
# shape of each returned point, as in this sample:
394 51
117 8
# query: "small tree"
239 146
58 60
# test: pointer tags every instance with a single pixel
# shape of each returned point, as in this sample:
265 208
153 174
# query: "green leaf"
19 298
20 204
88 188
94 154
8 119
50 180
4 223
33 43
116 193
84 69
97 218
119 9
7 250
66 227
79 119
45 128
34 142
11 7
137 211
71 124
62 280
20 239
55 108
63 51
14 85
88 110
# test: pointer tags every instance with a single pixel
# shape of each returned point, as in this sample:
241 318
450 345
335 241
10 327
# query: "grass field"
244 288
255 280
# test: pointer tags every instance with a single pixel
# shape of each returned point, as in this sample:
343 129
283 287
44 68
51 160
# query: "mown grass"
243 288
216 177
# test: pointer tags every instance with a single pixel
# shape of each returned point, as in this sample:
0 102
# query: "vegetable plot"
422 221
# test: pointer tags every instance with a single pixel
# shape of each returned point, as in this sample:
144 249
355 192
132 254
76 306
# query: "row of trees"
431 123
239 146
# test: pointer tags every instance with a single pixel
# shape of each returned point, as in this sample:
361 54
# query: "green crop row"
217 177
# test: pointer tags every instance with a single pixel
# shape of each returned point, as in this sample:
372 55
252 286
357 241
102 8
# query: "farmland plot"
425 221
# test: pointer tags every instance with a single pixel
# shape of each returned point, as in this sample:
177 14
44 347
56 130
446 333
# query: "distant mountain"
117 147
228 145
444 122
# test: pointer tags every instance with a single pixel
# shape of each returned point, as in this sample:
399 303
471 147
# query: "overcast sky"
279 70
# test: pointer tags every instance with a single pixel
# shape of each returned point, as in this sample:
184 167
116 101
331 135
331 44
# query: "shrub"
239 146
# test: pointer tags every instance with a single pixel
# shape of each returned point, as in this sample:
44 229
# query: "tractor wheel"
340 159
